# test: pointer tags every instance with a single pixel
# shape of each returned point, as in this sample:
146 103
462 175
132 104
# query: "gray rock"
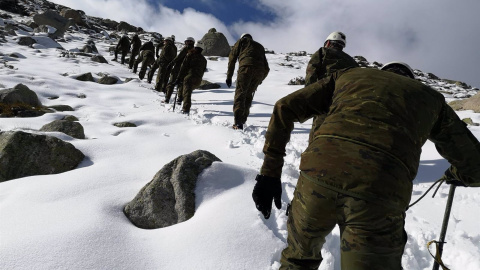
19 94
215 44
26 41
71 128
169 198
61 108
205 85
24 154
53 19
75 15
70 118
297 81
13 6
86 77
126 27
99 59
470 122
108 80
471 103
124 124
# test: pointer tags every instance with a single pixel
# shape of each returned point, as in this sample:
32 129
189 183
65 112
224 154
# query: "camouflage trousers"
372 236
133 55
189 84
248 79
170 86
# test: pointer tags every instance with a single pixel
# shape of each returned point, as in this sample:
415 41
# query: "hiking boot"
238 126
186 112
166 101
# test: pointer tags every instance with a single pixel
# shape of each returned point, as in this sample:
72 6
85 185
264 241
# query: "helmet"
168 38
400 68
173 37
198 44
90 41
245 35
337 36
190 38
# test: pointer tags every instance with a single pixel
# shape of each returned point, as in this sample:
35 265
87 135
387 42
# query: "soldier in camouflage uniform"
159 46
146 57
191 74
168 53
253 69
326 61
136 44
358 170
176 64
123 46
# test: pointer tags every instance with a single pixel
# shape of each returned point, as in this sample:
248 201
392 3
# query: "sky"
74 220
438 36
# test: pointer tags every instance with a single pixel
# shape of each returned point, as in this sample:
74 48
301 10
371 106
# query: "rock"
470 122
20 93
205 85
297 81
215 44
61 108
53 19
86 77
472 103
24 154
71 128
75 15
99 59
70 118
82 95
108 80
126 27
13 7
169 198
26 41
109 23
124 124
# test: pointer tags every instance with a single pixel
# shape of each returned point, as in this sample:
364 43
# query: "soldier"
168 53
136 44
146 57
191 74
358 170
324 62
123 46
159 47
89 47
253 69
176 64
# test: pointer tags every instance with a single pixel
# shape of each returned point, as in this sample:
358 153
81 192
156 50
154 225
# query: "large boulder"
86 77
215 44
75 15
53 19
169 198
471 103
126 27
108 80
71 128
13 6
24 154
99 59
26 41
19 94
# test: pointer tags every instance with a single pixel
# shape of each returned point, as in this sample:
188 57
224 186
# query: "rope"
428 190
437 257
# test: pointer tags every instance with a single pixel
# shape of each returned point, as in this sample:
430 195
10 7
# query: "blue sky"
437 36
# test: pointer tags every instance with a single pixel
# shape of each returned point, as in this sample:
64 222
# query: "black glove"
267 189
229 82
451 179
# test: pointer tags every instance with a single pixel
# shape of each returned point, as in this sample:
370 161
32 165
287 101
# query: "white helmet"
394 66
337 36
190 38
168 38
245 34
198 44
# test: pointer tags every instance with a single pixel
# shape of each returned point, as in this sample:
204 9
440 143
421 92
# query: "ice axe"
175 99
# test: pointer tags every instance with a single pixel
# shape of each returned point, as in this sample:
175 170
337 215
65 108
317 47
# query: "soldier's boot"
135 69
238 126
141 74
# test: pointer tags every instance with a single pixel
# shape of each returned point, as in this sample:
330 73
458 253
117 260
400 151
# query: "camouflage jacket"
248 53
147 46
370 142
158 48
168 53
177 61
123 44
136 44
193 66
326 61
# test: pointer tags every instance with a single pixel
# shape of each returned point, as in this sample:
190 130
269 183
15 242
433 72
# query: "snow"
74 220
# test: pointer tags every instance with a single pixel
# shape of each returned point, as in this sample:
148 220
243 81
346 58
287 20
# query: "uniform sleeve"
311 73
184 68
296 107
458 145
232 59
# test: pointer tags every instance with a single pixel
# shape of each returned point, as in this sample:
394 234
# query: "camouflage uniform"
324 62
253 69
159 47
358 170
191 74
145 58
136 44
168 53
122 46
177 63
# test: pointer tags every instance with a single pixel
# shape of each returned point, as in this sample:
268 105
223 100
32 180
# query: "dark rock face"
126 27
71 128
205 85
86 77
169 198
26 41
215 44
24 154
99 59
471 103
54 19
62 108
19 94
13 6
125 124
108 80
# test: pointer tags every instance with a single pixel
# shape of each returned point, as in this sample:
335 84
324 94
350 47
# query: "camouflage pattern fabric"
324 62
147 58
253 69
191 73
369 145
123 46
136 44
372 236
177 63
168 53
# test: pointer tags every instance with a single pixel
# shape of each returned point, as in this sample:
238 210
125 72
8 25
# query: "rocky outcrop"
24 154
169 198
75 15
108 80
215 44
71 128
53 19
126 27
19 94
206 85
472 103
99 59
86 77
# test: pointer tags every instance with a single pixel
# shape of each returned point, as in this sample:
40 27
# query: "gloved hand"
267 189
228 81
451 179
